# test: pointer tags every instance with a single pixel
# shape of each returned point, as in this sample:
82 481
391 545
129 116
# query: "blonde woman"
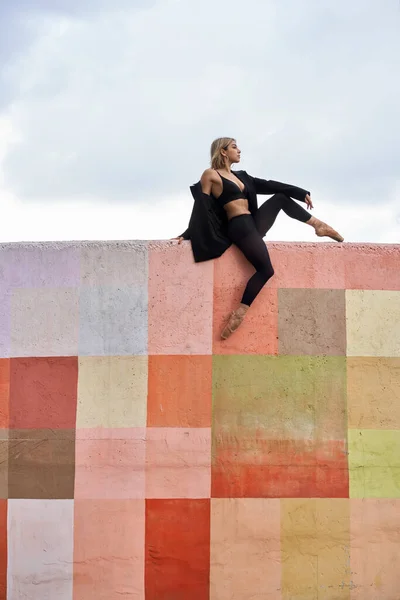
225 211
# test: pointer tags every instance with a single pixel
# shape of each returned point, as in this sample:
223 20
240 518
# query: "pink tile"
245 549
109 549
373 266
375 541
180 301
258 334
110 463
301 265
178 462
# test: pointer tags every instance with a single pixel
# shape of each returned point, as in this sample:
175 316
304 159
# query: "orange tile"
258 334
374 548
179 391
180 302
4 393
372 267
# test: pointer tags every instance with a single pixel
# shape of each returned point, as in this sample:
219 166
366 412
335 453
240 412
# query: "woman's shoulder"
209 175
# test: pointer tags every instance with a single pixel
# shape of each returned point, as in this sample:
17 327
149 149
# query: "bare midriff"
237 208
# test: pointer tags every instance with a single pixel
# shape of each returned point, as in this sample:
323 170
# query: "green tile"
280 397
374 463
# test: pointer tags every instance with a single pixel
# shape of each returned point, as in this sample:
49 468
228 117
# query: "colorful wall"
141 458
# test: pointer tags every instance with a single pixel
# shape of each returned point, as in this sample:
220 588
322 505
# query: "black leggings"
247 233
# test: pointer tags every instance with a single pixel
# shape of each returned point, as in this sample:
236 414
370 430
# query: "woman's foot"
322 229
235 320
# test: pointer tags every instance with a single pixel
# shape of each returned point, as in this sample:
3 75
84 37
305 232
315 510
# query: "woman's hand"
179 238
309 202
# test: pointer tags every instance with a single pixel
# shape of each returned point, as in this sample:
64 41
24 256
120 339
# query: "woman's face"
233 152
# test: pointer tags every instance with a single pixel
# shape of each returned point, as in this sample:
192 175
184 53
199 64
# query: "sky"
108 109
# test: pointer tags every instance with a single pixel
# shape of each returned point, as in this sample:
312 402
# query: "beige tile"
373 385
112 391
373 323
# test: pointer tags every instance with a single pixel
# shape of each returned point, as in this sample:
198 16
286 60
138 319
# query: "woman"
225 211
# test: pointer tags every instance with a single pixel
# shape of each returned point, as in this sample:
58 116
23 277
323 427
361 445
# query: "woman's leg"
266 215
268 211
254 249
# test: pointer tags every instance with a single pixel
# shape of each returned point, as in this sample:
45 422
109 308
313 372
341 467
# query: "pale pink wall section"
319 265
245 549
372 266
109 549
180 301
374 552
178 462
110 463
40 549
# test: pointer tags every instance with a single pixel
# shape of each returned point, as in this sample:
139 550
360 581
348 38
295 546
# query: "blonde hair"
217 160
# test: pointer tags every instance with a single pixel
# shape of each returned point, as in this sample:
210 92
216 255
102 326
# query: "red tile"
177 549
4 392
372 267
258 334
280 469
3 549
43 392
179 391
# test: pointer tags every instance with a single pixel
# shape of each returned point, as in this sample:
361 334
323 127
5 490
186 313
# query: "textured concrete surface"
142 457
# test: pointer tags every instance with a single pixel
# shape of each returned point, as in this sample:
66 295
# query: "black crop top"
230 191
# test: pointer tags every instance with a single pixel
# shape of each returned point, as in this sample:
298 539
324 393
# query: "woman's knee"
281 198
267 272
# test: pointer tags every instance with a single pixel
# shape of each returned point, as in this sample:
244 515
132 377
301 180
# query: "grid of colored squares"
141 457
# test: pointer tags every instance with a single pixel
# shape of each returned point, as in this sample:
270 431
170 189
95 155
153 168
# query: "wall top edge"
163 244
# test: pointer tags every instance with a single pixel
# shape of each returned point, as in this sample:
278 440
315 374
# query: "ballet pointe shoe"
235 321
324 230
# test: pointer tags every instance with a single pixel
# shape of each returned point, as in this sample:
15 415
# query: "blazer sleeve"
185 235
263 186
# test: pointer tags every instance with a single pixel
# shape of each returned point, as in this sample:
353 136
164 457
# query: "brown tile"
41 463
312 322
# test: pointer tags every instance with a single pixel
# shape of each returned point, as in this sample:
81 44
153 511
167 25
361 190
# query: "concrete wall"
141 457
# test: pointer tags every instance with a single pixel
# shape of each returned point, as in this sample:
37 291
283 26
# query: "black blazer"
208 225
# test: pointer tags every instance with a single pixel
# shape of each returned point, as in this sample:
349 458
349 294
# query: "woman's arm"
267 187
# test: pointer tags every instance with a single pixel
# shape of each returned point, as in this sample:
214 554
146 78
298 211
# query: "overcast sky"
108 109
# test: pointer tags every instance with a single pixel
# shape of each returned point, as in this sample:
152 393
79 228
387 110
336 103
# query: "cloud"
121 104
